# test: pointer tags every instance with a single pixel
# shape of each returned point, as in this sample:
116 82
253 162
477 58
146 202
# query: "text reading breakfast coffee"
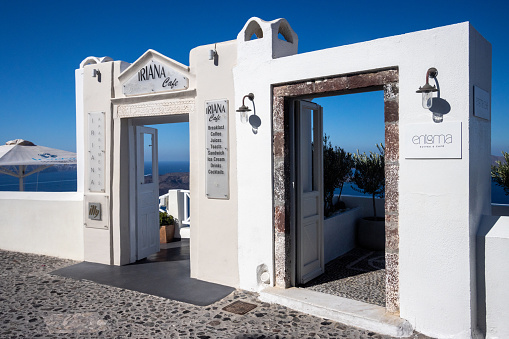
216 115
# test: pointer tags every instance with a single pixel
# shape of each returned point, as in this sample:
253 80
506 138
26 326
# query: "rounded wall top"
261 40
94 60
261 28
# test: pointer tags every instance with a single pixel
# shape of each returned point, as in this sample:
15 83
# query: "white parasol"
21 153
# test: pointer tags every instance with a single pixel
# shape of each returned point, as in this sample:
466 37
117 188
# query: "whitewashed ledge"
354 313
39 196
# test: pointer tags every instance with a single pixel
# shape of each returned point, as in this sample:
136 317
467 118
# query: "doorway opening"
353 124
288 207
159 164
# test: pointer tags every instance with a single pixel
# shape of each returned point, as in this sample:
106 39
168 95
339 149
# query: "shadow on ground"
165 274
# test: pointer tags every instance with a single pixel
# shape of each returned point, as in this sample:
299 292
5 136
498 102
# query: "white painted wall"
437 217
96 97
80 132
47 223
494 272
339 234
214 224
339 231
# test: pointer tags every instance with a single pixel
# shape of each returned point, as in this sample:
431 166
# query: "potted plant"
166 227
369 177
337 169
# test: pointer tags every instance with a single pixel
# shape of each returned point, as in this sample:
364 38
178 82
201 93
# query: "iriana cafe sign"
433 141
216 115
155 77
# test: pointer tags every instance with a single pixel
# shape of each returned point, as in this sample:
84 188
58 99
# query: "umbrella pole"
21 172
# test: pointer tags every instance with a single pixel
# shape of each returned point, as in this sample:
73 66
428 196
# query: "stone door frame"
283 94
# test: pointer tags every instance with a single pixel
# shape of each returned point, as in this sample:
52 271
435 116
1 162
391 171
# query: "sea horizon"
62 180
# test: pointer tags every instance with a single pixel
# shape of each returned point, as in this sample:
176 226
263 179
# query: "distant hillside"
169 181
495 158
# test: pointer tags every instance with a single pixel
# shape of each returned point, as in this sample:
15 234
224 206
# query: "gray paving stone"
35 304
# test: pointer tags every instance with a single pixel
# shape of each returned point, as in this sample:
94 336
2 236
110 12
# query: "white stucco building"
251 186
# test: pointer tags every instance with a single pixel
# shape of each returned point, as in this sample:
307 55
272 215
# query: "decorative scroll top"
167 107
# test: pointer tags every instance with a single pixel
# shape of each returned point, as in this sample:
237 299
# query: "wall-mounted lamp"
427 90
244 109
212 54
97 74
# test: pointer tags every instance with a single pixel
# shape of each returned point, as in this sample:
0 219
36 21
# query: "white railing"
177 203
187 208
163 202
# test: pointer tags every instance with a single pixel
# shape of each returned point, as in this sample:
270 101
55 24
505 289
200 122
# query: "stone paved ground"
358 274
35 304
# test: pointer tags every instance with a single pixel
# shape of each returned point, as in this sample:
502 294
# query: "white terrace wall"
47 223
441 200
493 274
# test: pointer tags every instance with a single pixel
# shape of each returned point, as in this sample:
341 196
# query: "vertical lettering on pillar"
96 151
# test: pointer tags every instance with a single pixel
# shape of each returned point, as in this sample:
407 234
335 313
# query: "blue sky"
43 42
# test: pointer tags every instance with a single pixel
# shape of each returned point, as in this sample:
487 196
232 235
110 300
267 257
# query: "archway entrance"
283 196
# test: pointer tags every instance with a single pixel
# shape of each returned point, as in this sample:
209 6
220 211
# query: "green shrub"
166 219
500 173
337 169
369 174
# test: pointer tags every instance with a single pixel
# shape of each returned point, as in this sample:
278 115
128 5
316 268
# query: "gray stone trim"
342 84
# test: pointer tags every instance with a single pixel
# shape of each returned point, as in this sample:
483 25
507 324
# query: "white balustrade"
178 204
187 208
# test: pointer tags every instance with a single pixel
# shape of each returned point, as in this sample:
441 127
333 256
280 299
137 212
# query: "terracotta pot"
371 233
166 233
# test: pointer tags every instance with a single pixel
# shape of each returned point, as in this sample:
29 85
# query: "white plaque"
433 140
94 215
481 103
216 115
96 151
155 77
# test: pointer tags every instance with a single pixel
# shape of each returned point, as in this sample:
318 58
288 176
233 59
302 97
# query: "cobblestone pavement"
36 304
358 274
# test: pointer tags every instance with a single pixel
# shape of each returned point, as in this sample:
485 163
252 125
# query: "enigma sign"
433 141
155 77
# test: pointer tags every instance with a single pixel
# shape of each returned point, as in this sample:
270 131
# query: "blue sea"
168 167
63 180
497 193
50 180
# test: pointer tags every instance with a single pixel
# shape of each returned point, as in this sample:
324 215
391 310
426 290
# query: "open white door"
309 190
147 192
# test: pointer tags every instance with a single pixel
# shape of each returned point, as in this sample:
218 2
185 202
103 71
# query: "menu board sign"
216 116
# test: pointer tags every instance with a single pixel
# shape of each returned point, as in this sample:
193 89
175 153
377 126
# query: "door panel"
309 190
147 192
